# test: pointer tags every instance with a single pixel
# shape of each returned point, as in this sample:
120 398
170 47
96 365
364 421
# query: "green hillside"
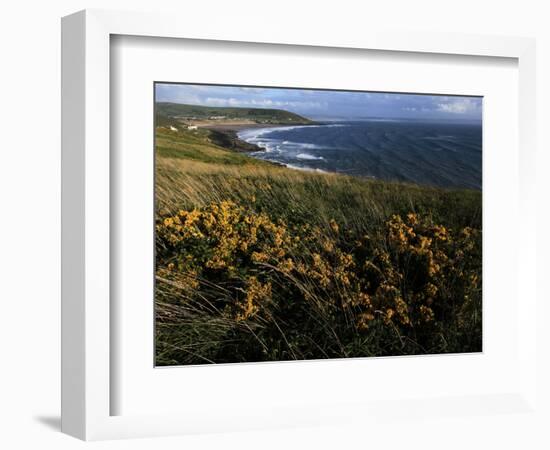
196 112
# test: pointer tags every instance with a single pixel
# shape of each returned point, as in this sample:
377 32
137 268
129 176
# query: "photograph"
303 224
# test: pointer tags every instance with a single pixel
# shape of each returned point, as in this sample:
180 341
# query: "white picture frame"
86 284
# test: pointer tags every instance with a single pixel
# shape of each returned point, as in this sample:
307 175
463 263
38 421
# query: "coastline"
226 135
266 149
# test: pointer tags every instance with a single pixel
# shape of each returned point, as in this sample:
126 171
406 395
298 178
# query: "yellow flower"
256 294
426 313
431 290
412 218
286 266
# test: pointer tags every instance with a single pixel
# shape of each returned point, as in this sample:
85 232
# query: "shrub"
250 287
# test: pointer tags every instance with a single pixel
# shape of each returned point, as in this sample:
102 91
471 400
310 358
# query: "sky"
327 105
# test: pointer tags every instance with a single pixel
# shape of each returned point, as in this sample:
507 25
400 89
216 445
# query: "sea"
440 154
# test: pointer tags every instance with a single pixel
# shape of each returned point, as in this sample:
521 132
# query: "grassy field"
257 262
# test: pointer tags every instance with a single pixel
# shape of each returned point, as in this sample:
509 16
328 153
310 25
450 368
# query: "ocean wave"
308 156
305 145
267 145
283 146
251 134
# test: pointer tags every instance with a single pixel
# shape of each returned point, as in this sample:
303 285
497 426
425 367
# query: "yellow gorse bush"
400 279
414 269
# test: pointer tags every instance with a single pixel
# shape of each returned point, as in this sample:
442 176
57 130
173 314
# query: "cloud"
173 93
254 90
260 103
459 106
